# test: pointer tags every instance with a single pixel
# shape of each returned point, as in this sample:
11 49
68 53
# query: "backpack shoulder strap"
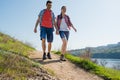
53 16
69 20
67 17
41 14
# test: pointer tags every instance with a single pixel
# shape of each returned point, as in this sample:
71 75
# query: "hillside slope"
15 64
10 44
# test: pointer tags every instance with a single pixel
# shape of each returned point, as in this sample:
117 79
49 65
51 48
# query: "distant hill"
108 51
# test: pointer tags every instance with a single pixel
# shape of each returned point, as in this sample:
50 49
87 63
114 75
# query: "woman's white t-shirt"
63 25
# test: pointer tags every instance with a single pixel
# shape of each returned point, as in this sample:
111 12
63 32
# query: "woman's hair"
63 7
60 16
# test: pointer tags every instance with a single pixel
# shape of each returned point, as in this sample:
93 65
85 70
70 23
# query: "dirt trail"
63 70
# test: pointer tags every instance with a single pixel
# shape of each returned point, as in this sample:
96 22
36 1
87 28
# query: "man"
46 19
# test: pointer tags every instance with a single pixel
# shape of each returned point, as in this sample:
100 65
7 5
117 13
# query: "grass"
105 73
16 67
14 61
7 43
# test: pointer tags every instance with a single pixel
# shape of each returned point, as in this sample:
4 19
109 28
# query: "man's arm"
55 23
56 27
37 22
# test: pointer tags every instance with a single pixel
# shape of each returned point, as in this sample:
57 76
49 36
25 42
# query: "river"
110 63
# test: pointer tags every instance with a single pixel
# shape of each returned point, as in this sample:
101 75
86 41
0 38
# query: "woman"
64 24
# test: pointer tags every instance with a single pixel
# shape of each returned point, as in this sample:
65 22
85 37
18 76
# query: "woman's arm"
74 28
71 24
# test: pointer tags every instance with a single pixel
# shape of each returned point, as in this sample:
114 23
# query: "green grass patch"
14 61
106 73
56 52
8 43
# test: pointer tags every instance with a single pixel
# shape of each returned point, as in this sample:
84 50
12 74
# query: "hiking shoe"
49 56
44 56
62 58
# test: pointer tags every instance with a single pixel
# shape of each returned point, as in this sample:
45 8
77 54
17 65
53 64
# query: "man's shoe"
44 56
49 56
62 58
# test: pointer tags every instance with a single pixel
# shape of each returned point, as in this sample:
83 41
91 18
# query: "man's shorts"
46 32
64 34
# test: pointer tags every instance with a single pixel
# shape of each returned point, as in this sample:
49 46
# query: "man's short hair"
48 2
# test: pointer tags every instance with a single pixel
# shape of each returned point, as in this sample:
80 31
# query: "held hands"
57 32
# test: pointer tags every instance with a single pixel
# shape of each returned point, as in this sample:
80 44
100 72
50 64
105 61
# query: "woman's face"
63 10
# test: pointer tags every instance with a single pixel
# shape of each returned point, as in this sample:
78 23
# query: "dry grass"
14 66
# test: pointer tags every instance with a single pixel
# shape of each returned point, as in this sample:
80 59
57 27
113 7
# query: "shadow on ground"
47 61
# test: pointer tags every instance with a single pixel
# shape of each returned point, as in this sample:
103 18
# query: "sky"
97 21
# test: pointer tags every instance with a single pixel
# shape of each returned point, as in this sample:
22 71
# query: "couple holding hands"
47 21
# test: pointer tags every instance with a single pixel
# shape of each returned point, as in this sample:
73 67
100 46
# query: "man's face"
49 5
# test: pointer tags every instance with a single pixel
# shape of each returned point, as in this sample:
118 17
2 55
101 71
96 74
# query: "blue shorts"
64 34
46 32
